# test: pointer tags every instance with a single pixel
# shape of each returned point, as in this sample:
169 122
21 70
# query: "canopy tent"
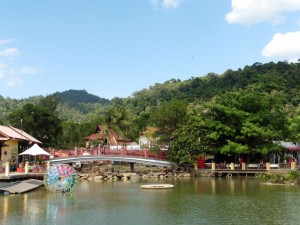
290 146
35 150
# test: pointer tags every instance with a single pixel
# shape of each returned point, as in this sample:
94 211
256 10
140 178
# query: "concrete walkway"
20 186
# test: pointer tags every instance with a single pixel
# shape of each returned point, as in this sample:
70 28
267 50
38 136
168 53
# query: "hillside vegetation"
239 111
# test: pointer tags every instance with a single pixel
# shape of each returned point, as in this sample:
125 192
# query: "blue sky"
114 48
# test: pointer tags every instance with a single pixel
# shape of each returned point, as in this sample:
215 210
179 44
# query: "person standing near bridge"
241 162
261 164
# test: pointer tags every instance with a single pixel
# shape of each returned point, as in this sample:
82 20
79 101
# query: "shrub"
293 175
279 178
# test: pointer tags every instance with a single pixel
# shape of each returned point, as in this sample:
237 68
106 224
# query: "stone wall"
110 173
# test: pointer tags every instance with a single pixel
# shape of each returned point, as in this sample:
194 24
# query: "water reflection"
216 186
192 201
5 207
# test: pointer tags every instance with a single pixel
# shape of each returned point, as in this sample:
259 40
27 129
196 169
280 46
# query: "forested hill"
77 105
281 76
76 112
75 97
72 105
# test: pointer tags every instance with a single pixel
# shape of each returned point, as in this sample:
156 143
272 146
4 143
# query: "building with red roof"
103 137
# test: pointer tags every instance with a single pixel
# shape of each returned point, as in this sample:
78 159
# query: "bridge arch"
129 159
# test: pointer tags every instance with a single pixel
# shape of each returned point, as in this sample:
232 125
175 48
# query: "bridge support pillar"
131 167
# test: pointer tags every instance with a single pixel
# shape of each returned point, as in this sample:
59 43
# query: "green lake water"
191 201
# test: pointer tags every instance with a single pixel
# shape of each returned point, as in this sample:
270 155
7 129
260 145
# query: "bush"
279 178
293 175
262 177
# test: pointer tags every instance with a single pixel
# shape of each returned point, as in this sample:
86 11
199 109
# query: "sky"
117 47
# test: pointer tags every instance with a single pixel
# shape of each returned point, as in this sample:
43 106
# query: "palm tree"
118 119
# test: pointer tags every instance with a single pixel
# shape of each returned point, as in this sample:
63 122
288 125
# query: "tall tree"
295 126
186 140
40 121
119 119
168 117
234 123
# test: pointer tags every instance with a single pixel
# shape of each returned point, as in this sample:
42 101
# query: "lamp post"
21 141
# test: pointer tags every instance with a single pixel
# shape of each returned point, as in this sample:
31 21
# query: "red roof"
113 137
293 148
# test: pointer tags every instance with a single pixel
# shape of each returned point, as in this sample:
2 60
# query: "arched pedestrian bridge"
123 155
113 158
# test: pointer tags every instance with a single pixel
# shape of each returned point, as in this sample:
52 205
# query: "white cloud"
11 73
256 11
2 67
3 42
10 52
14 76
169 4
283 47
28 70
14 81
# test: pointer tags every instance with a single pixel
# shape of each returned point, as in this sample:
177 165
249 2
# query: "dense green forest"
238 112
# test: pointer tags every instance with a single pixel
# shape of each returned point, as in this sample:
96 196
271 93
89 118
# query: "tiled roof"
290 145
9 132
113 138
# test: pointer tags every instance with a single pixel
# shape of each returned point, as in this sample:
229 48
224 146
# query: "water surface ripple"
192 201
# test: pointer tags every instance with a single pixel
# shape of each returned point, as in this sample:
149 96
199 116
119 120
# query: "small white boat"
157 186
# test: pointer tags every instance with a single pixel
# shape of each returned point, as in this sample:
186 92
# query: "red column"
201 162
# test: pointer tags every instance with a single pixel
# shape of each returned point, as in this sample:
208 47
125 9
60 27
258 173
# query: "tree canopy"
39 120
243 111
239 122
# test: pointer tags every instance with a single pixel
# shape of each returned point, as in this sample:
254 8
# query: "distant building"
291 149
148 139
14 141
290 146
